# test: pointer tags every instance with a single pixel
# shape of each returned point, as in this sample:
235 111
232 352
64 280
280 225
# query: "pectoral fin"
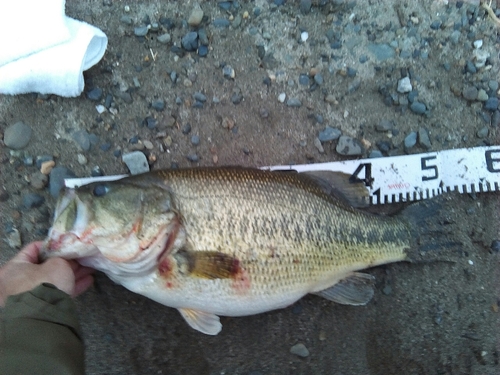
356 289
208 264
204 322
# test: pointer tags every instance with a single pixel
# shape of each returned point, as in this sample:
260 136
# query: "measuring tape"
402 178
420 176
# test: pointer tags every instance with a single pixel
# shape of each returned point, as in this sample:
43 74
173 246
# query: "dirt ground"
430 318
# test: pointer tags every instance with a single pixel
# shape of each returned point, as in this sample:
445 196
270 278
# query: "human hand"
24 272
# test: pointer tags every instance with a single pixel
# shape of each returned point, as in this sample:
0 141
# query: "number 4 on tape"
419 176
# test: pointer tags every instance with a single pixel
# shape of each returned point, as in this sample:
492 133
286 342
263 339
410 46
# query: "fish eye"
100 190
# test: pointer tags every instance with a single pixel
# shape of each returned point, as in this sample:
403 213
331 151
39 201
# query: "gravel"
82 139
329 134
410 140
136 162
17 136
299 350
56 179
349 146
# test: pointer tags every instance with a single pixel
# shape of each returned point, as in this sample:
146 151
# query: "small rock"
202 51
480 57
96 171
81 159
375 154
423 138
493 85
483 132
193 158
56 179
470 93
39 180
17 136
418 108
293 102
141 31
200 97
228 72
318 78
81 137
47 166
404 85
164 38
349 146
221 22
478 43
491 104
32 200
14 238
186 128
495 246
495 118
195 17
304 80
318 145
382 51
136 162
126 20
158 105
195 140
299 350
482 96
95 94
410 140
305 6
148 144
282 97
384 126
190 41
304 36
329 134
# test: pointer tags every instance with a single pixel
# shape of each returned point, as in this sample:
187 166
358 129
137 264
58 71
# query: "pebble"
478 43
482 96
186 128
81 159
384 126
14 238
480 58
95 94
42 159
158 105
17 136
282 97
190 41
47 166
141 31
299 350
304 80
493 85
423 138
136 162
221 22
38 180
193 158
495 118
495 246
81 137
375 154
410 140
195 17
202 36
96 171
200 97
349 146
418 108
164 38
404 85
304 35
202 51
329 134
228 72
470 93
126 20
491 104
293 102
32 200
318 145
318 78
56 179
305 6
381 51
195 140
148 144
483 132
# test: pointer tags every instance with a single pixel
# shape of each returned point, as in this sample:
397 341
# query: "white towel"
42 50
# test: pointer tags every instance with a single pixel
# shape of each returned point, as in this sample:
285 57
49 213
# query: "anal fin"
356 290
204 322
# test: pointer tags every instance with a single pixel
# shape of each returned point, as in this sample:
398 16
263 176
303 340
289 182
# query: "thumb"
29 254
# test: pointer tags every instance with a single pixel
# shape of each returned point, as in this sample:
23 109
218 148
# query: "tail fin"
432 230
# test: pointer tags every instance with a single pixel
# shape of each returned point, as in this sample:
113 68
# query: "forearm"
40 334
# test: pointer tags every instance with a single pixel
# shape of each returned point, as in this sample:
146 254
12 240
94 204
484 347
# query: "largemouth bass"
228 241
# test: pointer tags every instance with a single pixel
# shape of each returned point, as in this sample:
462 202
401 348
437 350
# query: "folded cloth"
50 55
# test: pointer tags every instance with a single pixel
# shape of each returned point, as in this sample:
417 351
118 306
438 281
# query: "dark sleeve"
40 334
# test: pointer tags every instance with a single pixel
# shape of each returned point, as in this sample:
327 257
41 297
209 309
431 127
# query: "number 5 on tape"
419 176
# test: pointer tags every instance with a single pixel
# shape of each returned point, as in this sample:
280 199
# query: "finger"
29 254
82 284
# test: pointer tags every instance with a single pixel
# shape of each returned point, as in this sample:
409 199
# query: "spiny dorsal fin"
340 185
